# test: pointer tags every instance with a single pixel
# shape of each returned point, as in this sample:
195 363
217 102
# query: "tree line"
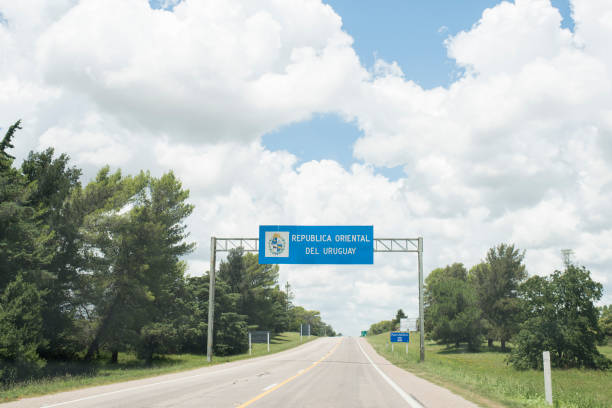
387 325
497 301
98 268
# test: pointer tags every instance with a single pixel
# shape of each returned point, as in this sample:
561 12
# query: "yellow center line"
302 372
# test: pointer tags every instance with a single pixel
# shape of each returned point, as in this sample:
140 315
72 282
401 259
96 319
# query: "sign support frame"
252 245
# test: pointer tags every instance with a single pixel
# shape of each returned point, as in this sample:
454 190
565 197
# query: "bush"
232 334
157 338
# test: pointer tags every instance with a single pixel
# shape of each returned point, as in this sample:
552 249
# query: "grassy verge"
79 374
486 379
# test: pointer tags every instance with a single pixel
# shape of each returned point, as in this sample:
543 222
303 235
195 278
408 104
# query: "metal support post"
300 332
250 347
211 298
268 342
421 322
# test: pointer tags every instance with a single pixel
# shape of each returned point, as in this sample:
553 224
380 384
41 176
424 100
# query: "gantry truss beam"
227 244
396 245
380 244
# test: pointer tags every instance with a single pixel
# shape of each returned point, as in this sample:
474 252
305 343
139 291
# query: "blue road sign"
297 244
400 337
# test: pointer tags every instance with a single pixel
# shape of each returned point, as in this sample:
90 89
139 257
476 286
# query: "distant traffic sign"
364 333
297 244
399 337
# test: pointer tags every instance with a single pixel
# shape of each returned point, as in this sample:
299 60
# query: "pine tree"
452 313
24 254
496 282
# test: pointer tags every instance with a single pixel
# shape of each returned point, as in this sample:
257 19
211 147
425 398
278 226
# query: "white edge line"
123 390
411 401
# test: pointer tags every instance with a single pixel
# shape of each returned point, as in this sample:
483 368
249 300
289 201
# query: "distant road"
328 372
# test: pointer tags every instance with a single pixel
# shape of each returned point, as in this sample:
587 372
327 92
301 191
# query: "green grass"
486 379
79 374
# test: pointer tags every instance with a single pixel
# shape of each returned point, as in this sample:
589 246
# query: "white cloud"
209 71
509 36
383 68
89 143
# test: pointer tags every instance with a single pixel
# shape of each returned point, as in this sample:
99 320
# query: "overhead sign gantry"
294 244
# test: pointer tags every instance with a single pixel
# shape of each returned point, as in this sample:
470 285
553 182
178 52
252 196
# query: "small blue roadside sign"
299 244
400 337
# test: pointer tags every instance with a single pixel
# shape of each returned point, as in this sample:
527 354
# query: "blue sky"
409 32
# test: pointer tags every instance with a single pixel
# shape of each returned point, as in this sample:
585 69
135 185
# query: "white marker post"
250 348
268 341
547 379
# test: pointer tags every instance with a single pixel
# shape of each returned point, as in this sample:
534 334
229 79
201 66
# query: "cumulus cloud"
206 72
509 36
516 150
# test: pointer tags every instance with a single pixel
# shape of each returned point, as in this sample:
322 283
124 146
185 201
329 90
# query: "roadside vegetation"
77 374
91 273
488 326
486 378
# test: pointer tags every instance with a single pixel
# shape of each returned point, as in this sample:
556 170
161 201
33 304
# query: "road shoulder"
430 395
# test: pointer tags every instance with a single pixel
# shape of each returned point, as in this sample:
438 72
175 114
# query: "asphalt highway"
328 372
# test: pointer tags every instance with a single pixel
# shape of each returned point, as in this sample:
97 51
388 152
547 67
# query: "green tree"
191 315
561 318
396 321
25 254
298 315
231 328
231 334
20 331
135 242
53 182
260 297
380 327
605 320
24 239
496 282
452 310
156 338
6 160
192 305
